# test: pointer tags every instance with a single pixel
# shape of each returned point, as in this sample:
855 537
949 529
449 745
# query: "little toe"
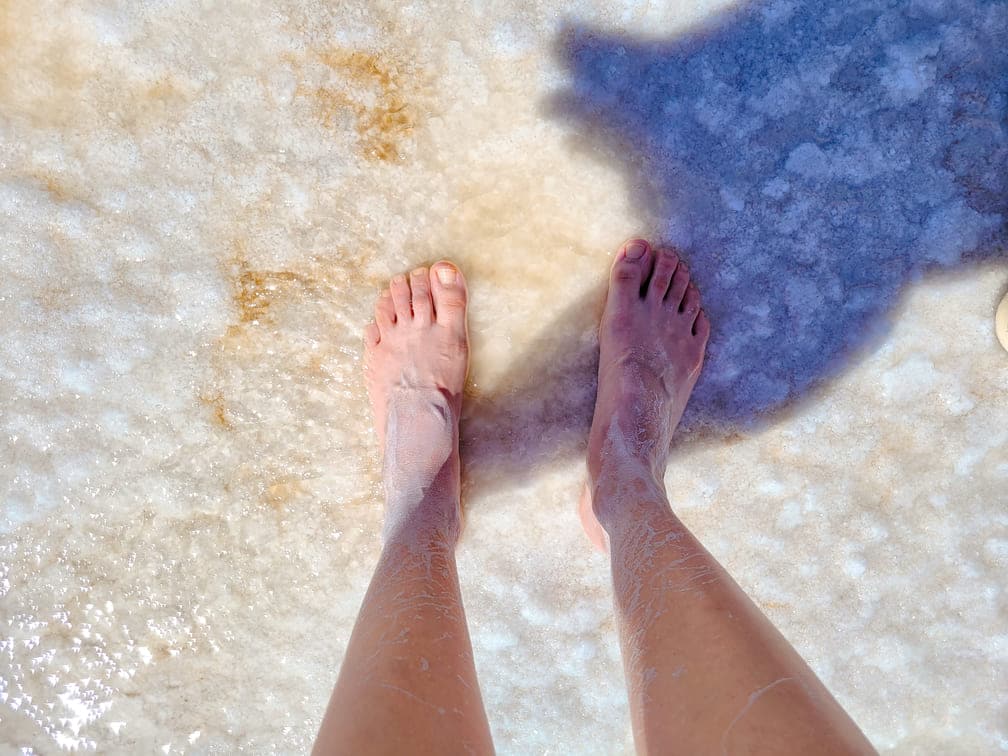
677 289
664 268
690 306
385 315
448 289
401 299
371 334
630 269
423 310
701 327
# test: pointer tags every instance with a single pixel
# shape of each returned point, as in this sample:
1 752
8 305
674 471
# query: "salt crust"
199 204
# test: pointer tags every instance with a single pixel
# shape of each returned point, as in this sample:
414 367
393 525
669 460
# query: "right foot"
651 348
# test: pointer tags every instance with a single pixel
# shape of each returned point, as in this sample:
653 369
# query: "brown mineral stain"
281 492
774 605
55 74
61 188
216 403
160 102
44 67
262 365
257 291
54 188
373 89
164 90
317 367
57 296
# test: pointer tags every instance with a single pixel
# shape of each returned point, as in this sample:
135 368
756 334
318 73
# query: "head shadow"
809 160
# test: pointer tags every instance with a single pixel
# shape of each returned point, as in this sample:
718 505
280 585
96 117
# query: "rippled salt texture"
200 202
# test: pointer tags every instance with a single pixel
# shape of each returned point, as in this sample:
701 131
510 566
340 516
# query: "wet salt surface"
196 222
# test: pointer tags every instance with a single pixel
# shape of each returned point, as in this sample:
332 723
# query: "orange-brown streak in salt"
261 295
56 75
57 190
60 190
256 290
163 102
385 120
283 491
217 404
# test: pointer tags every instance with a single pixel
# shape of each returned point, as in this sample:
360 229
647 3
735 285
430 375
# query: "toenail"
399 279
446 275
635 250
419 272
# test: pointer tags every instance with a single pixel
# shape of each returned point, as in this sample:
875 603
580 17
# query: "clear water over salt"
200 203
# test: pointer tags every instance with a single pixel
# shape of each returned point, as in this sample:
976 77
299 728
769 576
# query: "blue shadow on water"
809 159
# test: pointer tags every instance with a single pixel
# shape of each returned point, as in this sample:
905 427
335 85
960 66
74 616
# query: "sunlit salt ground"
199 204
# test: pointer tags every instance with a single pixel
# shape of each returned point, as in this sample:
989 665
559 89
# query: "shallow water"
200 204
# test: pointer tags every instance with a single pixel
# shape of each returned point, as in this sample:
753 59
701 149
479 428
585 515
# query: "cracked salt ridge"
235 527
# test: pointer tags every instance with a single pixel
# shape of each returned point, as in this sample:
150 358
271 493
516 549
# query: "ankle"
425 506
625 489
619 446
631 474
434 521
621 467
427 538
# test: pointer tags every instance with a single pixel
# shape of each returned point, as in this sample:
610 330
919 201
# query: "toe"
677 289
449 292
401 299
385 311
371 334
631 269
423 311
701 327
664 268
691 303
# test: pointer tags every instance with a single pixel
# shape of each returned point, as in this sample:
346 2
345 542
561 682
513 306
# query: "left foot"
416 358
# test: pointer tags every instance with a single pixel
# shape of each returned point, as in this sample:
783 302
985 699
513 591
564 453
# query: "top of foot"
651 348
416 358
418 342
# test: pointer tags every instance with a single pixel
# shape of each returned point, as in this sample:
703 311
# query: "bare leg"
408 683
707 672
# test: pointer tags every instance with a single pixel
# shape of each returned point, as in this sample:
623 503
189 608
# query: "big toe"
448 289
630 270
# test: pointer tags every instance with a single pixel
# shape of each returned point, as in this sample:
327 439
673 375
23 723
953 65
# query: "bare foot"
651 349
416 358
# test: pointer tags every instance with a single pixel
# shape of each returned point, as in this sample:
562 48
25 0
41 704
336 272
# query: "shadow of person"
541 409
809 159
